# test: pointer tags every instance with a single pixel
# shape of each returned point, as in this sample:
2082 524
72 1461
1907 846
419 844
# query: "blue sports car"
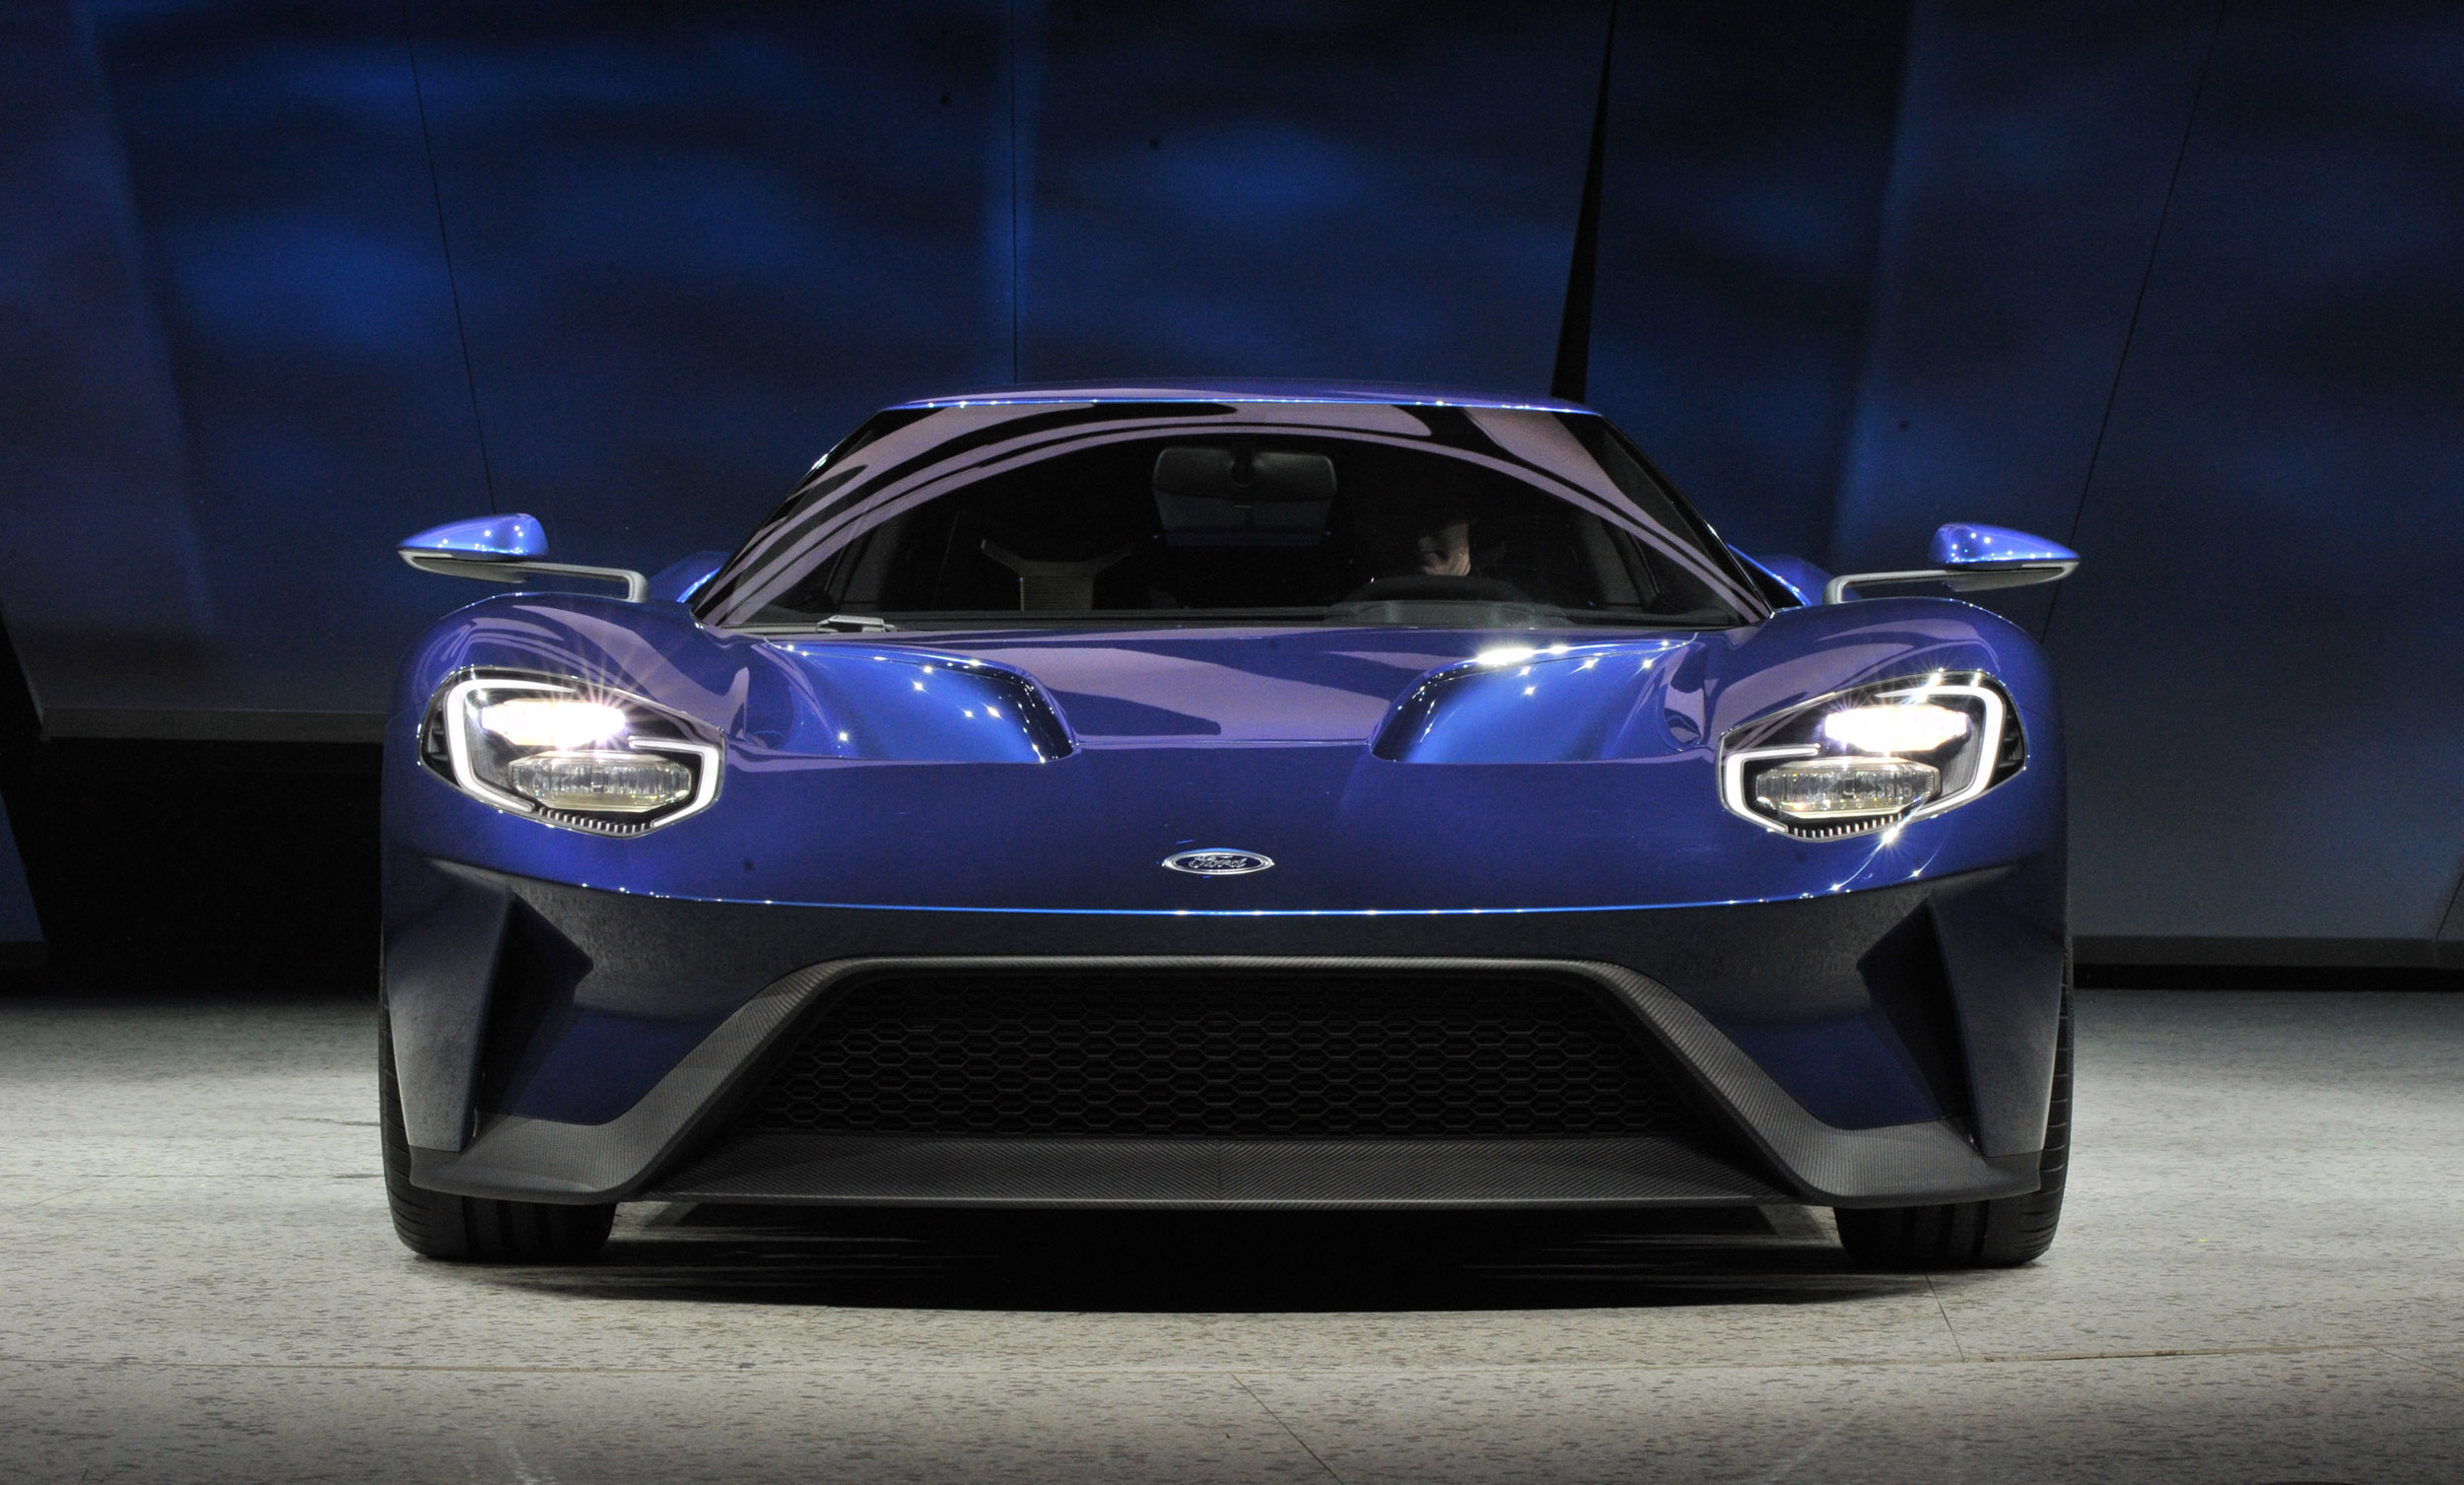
1212 796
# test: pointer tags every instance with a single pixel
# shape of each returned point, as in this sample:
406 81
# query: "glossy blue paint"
1269 740
510 537
1967 544
1590 794
1804 580
1037 776
902 704
679 580
1558 703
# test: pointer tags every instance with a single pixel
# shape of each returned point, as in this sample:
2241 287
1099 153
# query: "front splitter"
820 1170
671 1142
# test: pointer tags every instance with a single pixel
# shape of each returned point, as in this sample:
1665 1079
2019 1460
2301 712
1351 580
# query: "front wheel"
473 1229
2000 1234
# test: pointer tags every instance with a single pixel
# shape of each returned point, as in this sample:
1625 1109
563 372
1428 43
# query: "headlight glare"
1899 727
552 722
571 754
1872 758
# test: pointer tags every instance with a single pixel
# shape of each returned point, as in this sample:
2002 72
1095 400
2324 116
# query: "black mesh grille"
1224 1056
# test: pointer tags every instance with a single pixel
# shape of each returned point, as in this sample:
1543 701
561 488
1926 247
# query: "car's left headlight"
570 754
1873 757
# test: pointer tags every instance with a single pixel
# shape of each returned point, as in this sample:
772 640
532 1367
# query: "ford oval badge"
1215 861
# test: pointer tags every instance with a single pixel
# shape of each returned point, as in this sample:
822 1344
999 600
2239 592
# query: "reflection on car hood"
1413 695
1393 770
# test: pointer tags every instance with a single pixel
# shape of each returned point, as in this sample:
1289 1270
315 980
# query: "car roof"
1254 389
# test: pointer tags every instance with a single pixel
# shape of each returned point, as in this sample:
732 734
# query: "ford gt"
1217 796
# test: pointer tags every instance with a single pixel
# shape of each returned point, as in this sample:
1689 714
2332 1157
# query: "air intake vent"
1201 1055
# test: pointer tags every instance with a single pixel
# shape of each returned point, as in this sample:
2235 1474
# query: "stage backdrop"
2176 282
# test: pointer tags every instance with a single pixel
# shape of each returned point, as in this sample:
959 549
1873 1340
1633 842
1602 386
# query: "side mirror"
1970 558
502 549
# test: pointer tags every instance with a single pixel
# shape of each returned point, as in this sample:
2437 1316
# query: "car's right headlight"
1873 757
570 754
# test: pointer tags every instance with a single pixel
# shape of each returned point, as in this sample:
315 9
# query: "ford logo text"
1218 862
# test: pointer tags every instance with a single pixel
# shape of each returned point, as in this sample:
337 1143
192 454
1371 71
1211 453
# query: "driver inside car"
1445 548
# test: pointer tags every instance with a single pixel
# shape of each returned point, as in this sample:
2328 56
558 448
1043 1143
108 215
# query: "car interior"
1300 528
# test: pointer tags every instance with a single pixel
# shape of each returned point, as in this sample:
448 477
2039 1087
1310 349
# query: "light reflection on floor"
2256 1281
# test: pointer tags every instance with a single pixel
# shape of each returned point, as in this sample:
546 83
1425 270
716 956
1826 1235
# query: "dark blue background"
2178 283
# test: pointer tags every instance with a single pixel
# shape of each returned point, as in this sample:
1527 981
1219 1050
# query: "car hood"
1380 769
1269 687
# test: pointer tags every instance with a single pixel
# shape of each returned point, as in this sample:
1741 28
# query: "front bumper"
1882 1048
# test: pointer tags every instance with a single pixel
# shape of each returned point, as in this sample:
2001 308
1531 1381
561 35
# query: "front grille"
1206 1055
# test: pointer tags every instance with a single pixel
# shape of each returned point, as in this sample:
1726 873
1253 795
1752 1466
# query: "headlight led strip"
1994 712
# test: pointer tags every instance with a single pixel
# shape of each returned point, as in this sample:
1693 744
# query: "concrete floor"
2258 1281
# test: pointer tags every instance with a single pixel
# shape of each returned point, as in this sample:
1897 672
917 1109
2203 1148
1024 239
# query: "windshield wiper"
857 623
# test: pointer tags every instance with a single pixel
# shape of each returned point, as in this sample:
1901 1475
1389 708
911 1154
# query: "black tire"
2000 1234
473 1229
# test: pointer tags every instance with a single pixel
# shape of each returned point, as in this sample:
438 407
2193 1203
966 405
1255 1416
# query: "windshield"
1192 513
